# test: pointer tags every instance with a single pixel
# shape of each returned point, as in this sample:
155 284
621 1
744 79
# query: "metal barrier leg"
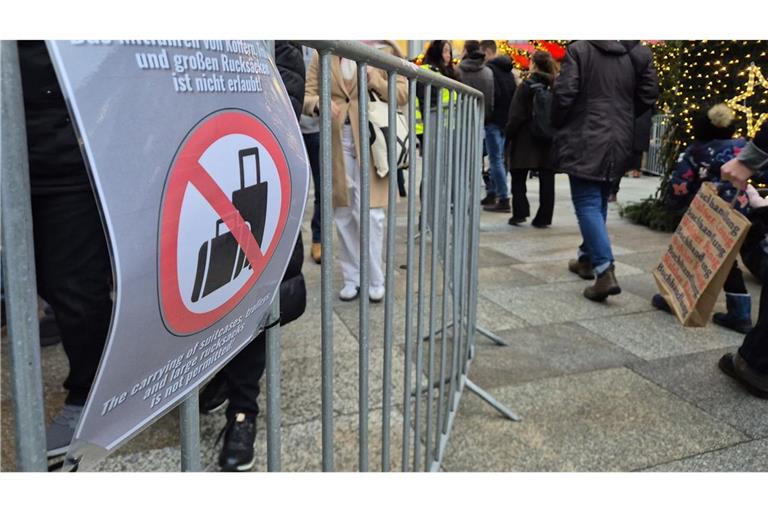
273 388
18 269
490 400
189 412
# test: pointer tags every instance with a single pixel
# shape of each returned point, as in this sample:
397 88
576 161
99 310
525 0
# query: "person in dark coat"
749 365
602 87
238 381
528 153
74 273
640 144
503 89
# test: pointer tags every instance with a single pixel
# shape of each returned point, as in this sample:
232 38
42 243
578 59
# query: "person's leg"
74 276
347 218
754 350
738 302
243 374
495 142
376 248
521 209
312 143
546 198
490 187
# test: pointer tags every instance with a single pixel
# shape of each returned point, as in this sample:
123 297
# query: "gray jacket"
476 74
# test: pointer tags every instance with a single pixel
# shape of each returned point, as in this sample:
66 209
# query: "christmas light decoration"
753 125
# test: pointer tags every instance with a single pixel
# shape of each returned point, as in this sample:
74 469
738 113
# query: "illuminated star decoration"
754 121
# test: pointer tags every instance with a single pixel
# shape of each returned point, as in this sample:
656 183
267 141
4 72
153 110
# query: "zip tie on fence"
273 324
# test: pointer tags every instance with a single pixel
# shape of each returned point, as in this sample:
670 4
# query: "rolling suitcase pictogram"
220 259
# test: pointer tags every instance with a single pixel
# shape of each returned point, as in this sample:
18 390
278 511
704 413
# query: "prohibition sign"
187 170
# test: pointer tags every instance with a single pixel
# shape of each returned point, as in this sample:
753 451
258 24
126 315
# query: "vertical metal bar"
426 162
475 242
365 262
409 273
189 413
326 217
273 388
19 269
474 154
435 208
389 298
446 272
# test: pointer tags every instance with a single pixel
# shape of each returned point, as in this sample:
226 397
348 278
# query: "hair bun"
721 115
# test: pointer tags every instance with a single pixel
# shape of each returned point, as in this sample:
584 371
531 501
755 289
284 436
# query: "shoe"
214 395
734 366
540 225
516 221
237 453
659 303
317 252
502 206
49 331
489 199
582 267
58 435
349 292
605 285
376 293
739 315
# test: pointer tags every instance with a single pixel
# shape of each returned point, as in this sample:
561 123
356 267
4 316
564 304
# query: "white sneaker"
376 293
349 292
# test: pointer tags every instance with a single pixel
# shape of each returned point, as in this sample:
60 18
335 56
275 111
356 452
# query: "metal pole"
326 216
19 269
273 387
189 413
389 298
409 273
365 262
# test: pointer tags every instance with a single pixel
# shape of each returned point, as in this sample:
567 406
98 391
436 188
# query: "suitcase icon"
221 259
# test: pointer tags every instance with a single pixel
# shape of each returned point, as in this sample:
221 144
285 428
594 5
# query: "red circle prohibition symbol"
186 170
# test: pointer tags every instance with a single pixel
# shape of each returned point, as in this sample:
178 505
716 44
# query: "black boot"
501 206
489 199
238 454
739 315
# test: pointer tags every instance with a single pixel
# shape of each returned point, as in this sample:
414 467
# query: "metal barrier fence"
439 334
654 164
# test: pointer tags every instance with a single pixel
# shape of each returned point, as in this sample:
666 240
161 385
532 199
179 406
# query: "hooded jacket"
474 73
602 87
503 88
523 150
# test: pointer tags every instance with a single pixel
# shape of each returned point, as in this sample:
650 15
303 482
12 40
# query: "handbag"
378 124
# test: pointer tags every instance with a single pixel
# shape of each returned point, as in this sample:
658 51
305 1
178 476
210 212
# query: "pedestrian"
749 365
474 73
713 146
602 87
503 90
74 273
529 151
238 382
345 157
310 131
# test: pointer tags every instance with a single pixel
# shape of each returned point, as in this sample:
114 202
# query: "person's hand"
371 73
335 110
736 172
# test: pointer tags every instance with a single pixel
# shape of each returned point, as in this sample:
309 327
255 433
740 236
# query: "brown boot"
317 252
582 267
605 285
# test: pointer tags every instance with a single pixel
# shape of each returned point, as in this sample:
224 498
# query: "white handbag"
378 124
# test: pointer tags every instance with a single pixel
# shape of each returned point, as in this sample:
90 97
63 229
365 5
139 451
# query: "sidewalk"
601 387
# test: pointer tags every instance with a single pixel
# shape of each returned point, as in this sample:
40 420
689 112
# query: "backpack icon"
541 120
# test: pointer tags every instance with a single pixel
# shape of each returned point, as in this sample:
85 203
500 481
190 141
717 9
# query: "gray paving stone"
544 351
490 278
552 248
746 457
656 335
557 272
562 302
607 420
697 379
645 260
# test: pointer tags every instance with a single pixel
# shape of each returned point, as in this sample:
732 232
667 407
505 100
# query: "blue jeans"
494 140
590 198
312 143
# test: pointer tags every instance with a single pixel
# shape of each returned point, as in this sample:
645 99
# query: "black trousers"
243 374
521 207
754 350
75 277
312 143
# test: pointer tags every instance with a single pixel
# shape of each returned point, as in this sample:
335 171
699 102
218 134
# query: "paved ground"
601 387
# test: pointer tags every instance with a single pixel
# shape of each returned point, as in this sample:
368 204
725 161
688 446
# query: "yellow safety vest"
446 99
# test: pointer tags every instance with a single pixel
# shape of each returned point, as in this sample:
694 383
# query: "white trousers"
347 219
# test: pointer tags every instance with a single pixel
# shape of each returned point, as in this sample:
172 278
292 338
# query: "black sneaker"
237 454
214 395
489 199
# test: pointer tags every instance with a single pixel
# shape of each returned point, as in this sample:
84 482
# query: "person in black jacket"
238 381
749 365
602 87
525 152
74 273
503 90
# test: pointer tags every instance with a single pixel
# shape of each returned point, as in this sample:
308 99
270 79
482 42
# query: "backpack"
541 118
